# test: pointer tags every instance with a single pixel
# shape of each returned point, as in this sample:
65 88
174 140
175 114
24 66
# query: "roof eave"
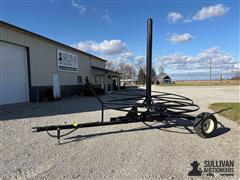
51 40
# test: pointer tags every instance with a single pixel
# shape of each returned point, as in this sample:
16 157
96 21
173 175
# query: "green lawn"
233 114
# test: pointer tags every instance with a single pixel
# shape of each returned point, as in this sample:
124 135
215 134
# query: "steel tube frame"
149 63
124 120
168 102
84 125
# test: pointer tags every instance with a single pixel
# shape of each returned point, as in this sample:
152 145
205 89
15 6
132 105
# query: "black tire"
205 125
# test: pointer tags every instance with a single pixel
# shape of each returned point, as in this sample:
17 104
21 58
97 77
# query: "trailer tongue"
144 107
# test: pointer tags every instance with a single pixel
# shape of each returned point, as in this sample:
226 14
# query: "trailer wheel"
205 125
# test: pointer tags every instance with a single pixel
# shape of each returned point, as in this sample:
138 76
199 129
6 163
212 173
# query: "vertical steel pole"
132 72
149 62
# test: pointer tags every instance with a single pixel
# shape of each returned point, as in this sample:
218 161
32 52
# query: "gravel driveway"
132 151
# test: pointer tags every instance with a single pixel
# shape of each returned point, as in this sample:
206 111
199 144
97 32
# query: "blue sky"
186 33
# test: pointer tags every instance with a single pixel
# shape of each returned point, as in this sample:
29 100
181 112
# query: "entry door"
13 74
56 86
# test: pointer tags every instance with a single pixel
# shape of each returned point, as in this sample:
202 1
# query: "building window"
79 79
96 79
86 78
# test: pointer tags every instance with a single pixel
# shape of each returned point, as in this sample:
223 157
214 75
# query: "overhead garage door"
13 74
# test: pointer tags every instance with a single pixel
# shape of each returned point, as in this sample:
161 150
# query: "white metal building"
31 63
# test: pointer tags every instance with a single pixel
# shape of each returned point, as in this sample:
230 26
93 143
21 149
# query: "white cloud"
106 16
103 14
107 47
79 5
139 58
174 17
180 38
188 19
208 12
125 56
200 62
211 11
237 66
182 66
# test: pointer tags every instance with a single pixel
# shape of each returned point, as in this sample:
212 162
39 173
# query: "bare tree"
139 63
161 70
110 65
236 75
126 70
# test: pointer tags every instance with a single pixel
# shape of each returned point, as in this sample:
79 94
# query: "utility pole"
221 77
210 70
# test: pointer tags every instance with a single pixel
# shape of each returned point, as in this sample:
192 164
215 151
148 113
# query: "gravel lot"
132 151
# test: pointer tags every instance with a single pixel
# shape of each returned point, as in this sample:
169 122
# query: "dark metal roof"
47 39
103 69
163 76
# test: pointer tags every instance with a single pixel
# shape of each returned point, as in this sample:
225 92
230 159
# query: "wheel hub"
208 126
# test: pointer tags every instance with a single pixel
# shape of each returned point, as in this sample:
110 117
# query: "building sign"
67 61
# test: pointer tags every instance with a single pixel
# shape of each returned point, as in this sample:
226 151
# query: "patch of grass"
207 83
232 114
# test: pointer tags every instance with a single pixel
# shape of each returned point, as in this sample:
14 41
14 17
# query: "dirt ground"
130 151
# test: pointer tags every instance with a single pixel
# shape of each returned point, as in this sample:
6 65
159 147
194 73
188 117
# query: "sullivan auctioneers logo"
212 168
